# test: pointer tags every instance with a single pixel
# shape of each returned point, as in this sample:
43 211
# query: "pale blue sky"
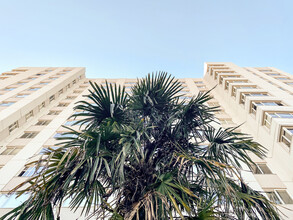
131 38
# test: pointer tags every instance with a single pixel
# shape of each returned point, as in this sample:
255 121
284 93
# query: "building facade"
36 102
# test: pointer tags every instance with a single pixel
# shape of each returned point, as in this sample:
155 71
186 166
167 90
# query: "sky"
130 38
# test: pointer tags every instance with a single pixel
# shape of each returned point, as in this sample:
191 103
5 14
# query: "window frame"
268 117
13 126
11 150
43 123
253 103
53 112
29 135
284 131
29 115
275 192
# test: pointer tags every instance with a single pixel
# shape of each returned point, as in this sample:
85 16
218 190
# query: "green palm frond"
108 103
155 92
230 147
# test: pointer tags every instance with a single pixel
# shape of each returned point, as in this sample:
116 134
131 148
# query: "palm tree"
146 155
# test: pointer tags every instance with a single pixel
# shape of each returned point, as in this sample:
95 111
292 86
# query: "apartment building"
35 102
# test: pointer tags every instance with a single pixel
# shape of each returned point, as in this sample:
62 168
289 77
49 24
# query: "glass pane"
273 197
246 87
6 152
258 94
255 169
285 141
273 115
285 115
270 103
285 197
265 169
10 201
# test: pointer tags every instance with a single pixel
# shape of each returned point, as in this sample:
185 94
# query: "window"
31 78
269 115
219 111
201 87
44 150
21 95
263 103
129 83
234 89
40 74
10 73
68 86
44 83
20 70
62 104
73 82
10 201
30 171
279 196
54 113
265 71
43 122
11 151
60 92
286 136
243 95
289 83
226 121
6 103
9 89
66 70
222 72
41 106
53 78
29 115
282 78
183 91
198 82
52 97
70 123
234 81
228 76
260 168
273 74
29 135
13 126
34 89
70 97
182 86
213 104
64 135
185 97
21 83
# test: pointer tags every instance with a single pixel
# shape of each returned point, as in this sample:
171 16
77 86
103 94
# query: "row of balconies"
269 112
